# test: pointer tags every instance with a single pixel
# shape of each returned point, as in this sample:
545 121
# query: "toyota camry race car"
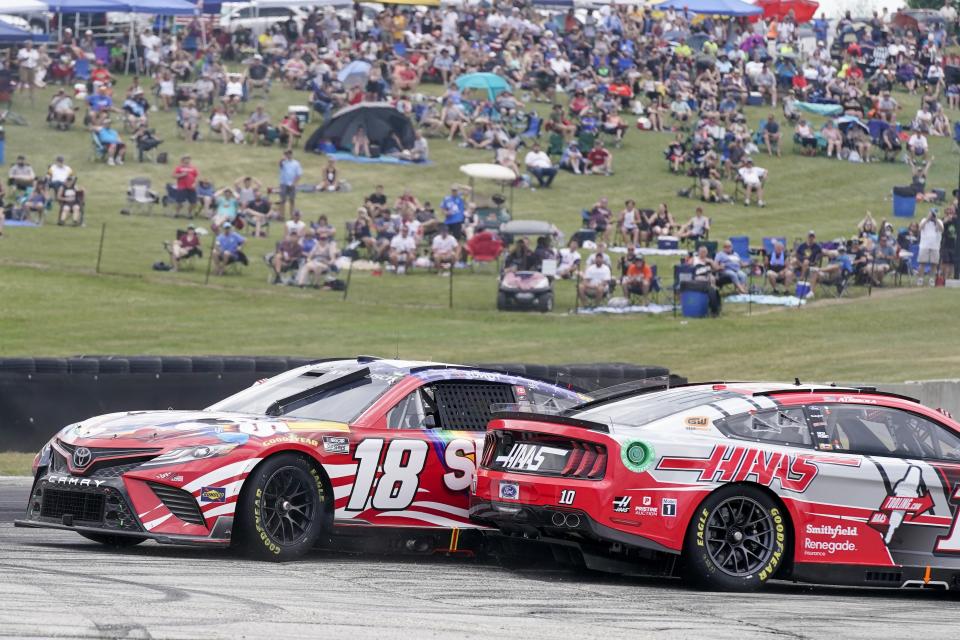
359 444
730 485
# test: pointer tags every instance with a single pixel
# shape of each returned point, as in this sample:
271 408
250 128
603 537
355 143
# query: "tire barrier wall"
38 396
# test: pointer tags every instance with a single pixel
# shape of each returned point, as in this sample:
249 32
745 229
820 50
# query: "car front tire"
281 511
736 540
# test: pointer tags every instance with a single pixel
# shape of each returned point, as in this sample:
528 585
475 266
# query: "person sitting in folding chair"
836 272
229 249
286 257
70 199
637 275
595 283
753 179
186 246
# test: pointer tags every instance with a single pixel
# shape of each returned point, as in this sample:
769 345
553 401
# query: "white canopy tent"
263 4
23 6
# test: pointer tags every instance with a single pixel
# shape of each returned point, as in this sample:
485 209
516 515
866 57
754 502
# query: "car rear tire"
117 542
502 303
736 540
282 509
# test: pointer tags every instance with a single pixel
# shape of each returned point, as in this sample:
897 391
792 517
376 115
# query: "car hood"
167 429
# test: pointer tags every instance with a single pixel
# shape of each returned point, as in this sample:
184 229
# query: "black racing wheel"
113 540
736 540
281 511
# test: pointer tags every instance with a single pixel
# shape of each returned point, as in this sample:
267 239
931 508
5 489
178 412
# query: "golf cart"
491 210
524 289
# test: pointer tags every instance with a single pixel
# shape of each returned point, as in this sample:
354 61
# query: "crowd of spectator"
693 77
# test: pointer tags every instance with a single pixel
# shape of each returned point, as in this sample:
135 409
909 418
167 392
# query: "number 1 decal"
398 484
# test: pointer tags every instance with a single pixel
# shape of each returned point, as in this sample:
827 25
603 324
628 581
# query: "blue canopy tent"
10 34
734 8
354 73
489 82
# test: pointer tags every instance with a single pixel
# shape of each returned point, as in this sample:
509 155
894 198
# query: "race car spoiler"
552 419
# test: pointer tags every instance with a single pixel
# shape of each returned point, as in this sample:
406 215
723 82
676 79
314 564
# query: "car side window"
885 431
783 426
409 413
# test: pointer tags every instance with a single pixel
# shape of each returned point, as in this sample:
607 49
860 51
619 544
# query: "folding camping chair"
140 196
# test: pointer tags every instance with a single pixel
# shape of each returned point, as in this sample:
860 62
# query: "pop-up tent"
11 34
23 6
384 125
734 8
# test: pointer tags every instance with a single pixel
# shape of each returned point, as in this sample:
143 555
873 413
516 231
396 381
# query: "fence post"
103 232
452 266
346 287
213 243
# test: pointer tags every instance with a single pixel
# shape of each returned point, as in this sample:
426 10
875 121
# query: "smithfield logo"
81 457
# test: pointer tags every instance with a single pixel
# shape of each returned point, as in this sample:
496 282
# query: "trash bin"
904 206
694 304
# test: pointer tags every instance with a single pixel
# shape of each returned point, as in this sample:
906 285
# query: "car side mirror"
429 422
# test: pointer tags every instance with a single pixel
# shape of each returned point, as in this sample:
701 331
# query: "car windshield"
335 399
639 410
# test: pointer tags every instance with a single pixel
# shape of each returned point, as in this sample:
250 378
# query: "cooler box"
694 304
667 242
755 99
302 112
904 206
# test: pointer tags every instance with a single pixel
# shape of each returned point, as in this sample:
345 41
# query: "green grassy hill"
54 304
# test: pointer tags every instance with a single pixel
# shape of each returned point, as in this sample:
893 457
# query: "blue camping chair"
741 245
81 70
768 244
534 122
98 151
877 127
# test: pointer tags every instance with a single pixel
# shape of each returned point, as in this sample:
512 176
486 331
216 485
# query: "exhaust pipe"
558 519
572 520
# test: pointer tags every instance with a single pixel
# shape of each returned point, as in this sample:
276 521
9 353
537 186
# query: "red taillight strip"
589 455
599 466
575 455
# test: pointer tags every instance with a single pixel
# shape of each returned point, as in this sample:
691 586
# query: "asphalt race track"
57 584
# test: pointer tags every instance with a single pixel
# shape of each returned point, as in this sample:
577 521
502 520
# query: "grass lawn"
54 304
13 463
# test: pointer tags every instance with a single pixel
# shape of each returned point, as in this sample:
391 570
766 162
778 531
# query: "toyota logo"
81 457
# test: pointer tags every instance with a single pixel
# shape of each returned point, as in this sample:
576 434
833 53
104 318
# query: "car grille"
526 452
106 462
179 502
86 507
101 506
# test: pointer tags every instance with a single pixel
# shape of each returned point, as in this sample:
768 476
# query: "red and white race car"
733 484
325 452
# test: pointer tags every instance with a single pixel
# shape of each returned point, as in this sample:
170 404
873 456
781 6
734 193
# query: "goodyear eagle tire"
281 510
736 540
118 542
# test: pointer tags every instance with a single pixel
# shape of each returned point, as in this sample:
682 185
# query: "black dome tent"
383 124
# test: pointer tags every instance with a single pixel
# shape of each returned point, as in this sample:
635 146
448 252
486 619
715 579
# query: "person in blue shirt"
101 101
731 269
229 249
110 139
290 174
454 207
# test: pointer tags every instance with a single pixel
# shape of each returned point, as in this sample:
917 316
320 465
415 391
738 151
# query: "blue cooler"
667 242
803 289
694 304
904 206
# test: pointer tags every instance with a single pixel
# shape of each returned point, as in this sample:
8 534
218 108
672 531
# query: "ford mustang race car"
336 447
730 485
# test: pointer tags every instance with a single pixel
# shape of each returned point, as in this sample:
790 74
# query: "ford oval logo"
81 457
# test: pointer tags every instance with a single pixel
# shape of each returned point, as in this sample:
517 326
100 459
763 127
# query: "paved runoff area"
57 584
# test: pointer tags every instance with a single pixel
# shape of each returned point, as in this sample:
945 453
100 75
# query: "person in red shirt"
186 175
186 246
637 279
601 161
100 76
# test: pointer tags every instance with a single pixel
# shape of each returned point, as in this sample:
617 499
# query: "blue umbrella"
12 34
354 73
491 82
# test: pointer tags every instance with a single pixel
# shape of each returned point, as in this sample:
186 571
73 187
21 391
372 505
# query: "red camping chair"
484 247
